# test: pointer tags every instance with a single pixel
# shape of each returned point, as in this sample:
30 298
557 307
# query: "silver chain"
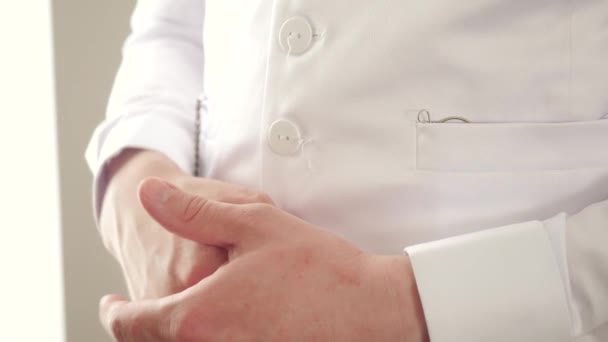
197 136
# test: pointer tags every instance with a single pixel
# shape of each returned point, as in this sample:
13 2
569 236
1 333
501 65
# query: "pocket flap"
512 146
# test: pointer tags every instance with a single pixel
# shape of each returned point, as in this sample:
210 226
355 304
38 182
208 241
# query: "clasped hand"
284 280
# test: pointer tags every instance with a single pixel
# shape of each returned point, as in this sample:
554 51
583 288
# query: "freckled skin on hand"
284 279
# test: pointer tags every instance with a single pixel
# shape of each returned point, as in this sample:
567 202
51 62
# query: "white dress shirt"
333 109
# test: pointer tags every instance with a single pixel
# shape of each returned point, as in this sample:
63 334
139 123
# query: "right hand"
155 262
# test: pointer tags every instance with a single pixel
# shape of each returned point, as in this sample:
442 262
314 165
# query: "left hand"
285 280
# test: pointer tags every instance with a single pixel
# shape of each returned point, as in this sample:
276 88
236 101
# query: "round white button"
295 35
284 137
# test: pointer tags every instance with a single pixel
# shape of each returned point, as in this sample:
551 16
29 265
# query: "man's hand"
285 280
155 262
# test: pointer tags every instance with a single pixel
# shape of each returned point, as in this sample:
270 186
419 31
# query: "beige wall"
88 35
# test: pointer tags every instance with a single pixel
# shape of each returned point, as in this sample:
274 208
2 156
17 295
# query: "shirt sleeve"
537 281
153 100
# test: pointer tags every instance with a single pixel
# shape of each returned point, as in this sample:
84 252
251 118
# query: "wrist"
130 167
120 203
403 299
133 165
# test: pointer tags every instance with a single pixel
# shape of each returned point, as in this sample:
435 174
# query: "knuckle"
247 195
262 197
258 212
193 208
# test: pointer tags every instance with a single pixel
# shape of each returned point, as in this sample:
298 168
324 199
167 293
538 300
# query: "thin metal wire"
452 118
424 116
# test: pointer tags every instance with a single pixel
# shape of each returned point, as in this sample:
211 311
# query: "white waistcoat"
339 110
532 78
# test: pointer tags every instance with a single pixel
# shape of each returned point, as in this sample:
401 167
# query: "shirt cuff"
152 131
502 284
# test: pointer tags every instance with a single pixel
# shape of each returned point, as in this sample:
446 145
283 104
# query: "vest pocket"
511 147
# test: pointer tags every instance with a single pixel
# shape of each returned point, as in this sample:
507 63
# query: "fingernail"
159 190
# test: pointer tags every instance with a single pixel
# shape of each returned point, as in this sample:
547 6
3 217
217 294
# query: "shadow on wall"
88 36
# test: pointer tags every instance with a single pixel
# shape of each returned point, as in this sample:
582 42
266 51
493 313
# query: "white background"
30 257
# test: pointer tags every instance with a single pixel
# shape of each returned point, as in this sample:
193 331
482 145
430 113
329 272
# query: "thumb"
193 217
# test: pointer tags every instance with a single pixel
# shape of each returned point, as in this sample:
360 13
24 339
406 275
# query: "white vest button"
295 36
284 137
